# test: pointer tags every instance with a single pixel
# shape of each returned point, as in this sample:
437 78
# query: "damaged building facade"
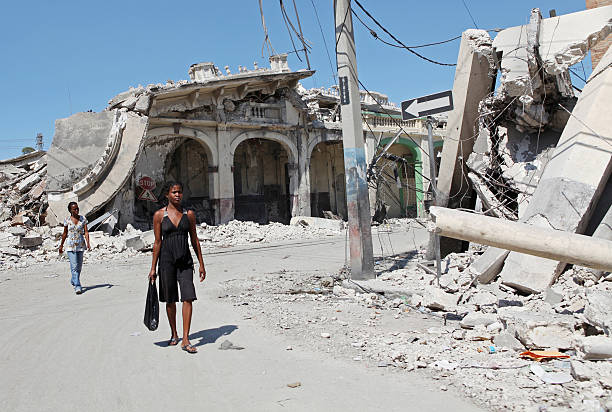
253 145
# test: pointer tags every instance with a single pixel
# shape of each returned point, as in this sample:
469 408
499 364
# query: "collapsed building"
537 149
253 145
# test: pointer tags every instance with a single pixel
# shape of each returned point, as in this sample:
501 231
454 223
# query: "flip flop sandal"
189 348
173 341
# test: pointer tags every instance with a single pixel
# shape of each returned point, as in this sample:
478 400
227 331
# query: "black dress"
175 262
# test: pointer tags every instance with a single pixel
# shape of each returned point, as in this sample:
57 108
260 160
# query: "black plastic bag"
151 315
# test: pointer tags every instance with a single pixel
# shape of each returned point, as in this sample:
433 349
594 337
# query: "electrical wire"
375 35
471 17
397 40
331 66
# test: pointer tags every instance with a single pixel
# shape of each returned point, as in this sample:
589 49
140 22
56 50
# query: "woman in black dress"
171 225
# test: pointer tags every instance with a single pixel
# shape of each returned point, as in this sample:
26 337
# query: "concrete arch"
320 139
287 144
208 143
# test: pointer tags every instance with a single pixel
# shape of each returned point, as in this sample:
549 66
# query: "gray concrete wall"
78 143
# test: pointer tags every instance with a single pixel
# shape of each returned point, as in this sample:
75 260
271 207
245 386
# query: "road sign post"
358 203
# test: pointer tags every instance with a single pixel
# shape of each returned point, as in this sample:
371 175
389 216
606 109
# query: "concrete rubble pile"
466 336
536 149
21 245
23 200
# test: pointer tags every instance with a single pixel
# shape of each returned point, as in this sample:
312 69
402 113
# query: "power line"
331 66
398 41
471 17
375 35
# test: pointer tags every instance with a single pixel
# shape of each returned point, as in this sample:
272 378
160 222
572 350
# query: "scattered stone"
437 299
508 341
553 297
227 345
294 384
473 319
598 311
325 335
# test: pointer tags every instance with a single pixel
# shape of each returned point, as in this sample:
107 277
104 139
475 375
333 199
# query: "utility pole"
358 204
434 191
39 141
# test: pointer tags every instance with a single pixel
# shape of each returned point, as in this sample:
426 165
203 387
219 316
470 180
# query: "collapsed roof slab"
572 182
565 40
120 138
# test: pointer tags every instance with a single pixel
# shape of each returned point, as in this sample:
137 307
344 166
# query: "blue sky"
63 57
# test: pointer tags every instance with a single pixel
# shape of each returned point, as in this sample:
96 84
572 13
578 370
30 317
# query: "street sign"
147 195
147 183
427 105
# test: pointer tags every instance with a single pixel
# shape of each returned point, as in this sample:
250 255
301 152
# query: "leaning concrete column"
225 210
544 243
472 83
572 182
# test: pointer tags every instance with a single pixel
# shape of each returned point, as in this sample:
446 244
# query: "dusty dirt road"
63 352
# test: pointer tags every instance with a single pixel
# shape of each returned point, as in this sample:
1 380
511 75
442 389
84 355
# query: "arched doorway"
401 188
261 181
327 181
188 164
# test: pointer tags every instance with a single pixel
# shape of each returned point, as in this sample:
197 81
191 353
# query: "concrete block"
598 310
30 241
437 299
540 330
506 340
474 319
595 347
135 242
581 372
317 222
489 264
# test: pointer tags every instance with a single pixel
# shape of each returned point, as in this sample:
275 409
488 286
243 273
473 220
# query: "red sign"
146 183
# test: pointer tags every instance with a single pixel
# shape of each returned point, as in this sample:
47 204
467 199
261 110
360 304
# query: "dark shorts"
169 276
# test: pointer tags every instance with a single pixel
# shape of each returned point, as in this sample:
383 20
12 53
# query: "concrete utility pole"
358 205
39 141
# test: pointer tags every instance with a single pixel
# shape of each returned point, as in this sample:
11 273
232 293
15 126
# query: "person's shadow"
103 285
205 336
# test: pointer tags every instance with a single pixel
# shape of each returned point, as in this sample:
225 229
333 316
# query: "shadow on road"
103 285
211 335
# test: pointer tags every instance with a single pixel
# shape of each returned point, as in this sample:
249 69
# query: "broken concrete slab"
436 299
124 140
539 330
30 241
474 319
568 190
489 264
506 340
598 310
565 40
